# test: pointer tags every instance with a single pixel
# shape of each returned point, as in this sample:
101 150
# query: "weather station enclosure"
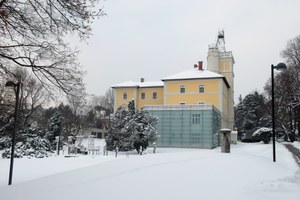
188 126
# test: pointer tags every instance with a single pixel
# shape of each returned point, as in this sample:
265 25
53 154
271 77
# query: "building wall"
172 95
222 63
226 63
135 93
187 126
131 94
149 96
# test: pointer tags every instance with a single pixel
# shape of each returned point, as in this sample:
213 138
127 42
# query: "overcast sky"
156 38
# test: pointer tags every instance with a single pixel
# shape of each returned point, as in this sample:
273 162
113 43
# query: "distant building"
100 130
192 105
100 133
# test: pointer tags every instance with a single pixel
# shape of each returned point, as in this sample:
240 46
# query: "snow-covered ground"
246 173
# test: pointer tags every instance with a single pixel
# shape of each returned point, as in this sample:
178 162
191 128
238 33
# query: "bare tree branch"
33 36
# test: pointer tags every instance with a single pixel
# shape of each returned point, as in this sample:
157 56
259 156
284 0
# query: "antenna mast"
221 41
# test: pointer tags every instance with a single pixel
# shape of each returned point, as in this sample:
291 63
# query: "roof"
139 84
195 73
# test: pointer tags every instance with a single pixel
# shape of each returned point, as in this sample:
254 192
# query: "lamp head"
10 84
280 66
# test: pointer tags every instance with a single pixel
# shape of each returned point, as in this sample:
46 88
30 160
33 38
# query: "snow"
246 173
193 74
296 144
188 74
139 84
261 130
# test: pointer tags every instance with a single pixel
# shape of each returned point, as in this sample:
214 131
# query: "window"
154 96
196 118
124 95
201 88
143 95
182 89
201 103
182 103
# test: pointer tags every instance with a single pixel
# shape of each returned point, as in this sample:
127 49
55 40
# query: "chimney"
142 80
195 66
200 65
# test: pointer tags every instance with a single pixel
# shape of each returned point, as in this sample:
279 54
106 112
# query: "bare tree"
74 113
32 94
34 97
292 82
33 36
292 52
108 101
287 91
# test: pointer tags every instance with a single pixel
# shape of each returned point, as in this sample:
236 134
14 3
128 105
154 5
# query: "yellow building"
197 86
144 93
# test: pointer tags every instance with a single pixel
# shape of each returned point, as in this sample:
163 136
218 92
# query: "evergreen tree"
252 112
239 114
116 133
30 143
144 130
54 128
131 129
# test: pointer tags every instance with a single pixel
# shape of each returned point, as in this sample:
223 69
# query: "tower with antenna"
220 44
218 59
221 61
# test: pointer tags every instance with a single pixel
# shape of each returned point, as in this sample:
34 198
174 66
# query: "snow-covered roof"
195 73
139 84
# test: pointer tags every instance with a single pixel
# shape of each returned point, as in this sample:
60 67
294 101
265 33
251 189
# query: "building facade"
203 94
193 126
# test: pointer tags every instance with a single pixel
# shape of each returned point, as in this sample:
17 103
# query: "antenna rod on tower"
221 41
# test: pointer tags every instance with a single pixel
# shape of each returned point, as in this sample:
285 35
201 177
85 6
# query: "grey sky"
156 38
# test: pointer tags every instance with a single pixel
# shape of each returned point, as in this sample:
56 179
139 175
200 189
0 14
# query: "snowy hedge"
263 134
29 143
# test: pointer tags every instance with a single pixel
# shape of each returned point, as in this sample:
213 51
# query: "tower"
221 61
220 44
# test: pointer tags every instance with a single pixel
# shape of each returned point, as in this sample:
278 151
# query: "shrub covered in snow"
131 129
30 143
263 134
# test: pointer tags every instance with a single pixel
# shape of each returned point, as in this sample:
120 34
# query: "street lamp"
16 87
280 66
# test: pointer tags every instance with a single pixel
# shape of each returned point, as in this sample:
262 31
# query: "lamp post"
16 87
280 66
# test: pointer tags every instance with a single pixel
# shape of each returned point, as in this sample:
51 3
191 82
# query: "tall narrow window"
124 95
201 88
182 89
196 118
154 95
143 95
